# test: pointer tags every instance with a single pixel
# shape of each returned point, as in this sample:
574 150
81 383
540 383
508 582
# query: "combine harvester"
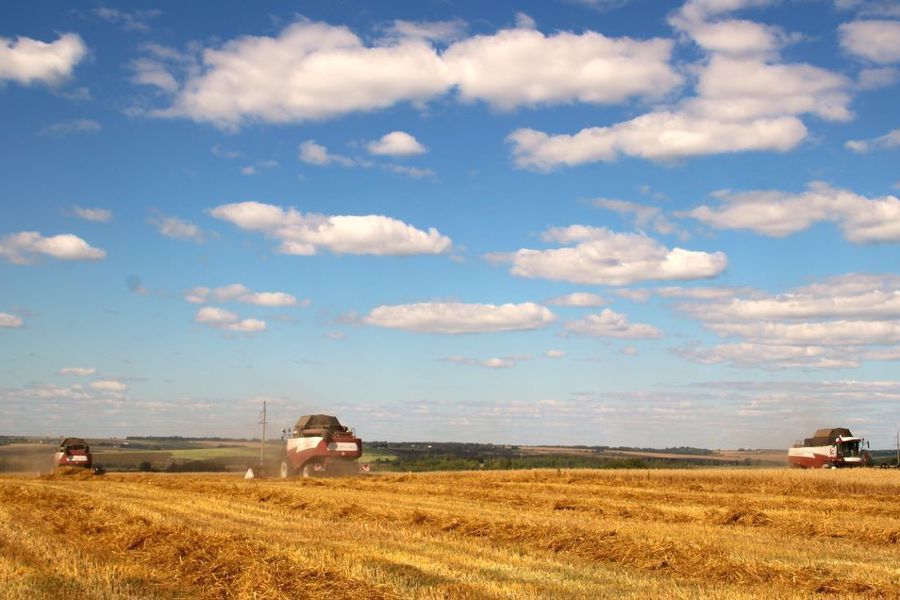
73 452
830 449
320 445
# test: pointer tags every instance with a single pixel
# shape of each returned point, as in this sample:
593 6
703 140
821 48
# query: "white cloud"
412 172
313 71
746 100
768 356
97 215
490 363
240 293
153 73
72 126
886 141
872 79
660 135
643 215
77 371
8 321
874 40
554 354
223 319
524 67
179 229
578 299
777 214
456 317
108 385
630 351
130 21
316 154
603 257
305 234
23 247
396 143
611 324
28 61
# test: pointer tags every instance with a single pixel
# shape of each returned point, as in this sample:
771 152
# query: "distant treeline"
449 462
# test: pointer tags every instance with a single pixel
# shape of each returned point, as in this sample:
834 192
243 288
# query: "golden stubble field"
713 533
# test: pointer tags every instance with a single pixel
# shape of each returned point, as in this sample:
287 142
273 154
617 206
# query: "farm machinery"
73 452
830 449
319 445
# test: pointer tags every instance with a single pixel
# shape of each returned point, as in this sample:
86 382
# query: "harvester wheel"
285 471
307 471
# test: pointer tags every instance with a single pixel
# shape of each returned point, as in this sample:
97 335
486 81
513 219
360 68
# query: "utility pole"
898 449
262 443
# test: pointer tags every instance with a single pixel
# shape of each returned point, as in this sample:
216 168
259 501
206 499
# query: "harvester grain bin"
830 449
320 445
74 452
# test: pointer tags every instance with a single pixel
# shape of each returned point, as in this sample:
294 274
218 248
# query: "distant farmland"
700 533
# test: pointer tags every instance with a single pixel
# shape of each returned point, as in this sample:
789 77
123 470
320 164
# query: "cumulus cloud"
8 321
746 99
72 126
77 371
316 154
97 215
578 299
306 234
312 71
886 141
603 257
223 319
778 214
611 324
644 215
489 363
875 40
237 292
108 385
128 20
27 61
833 323
396 143
24 247
178 229
456 317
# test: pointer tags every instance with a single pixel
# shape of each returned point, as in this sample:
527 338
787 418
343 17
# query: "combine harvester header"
830 449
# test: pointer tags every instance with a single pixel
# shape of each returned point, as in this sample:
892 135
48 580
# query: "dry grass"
527 534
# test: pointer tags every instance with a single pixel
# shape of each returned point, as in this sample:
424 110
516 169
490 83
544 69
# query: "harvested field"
522 534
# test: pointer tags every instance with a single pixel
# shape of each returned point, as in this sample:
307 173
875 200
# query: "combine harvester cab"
73 452
830 449
320 445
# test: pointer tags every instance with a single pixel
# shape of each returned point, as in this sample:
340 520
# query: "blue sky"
574 222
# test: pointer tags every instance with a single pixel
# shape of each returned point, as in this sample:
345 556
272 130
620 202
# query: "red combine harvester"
320 445
830 449
74 452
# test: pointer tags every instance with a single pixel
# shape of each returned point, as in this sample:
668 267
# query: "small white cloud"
304 234
578 299
223 319
22 248
97 215
248 170
396 143
456 317
887 141
77 371
28 61
179 229
237 292
437 31
412 172
611 324
554 354
603 257
72 126
8 321
490 363
108 385
630 351
316 154
335 335
128 20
